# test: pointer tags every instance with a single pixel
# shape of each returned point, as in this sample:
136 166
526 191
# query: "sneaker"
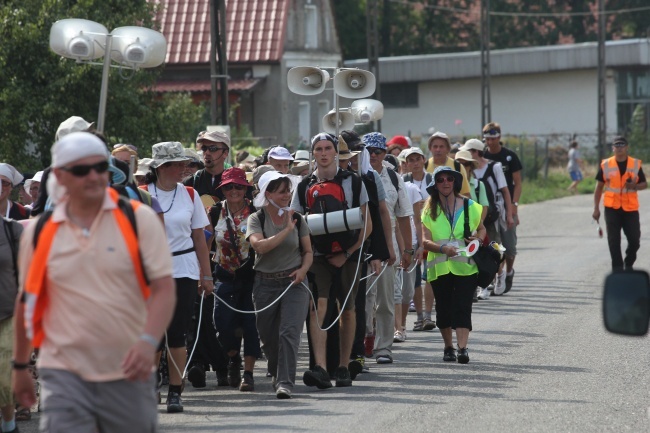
398 337
500 284
509 279
369 345
418 325
412 307
485 294
428 324
490 286
317 377
463 356
384 359
247 382
450 354
174 403
196 376
356 366
234 372
342 377
283 393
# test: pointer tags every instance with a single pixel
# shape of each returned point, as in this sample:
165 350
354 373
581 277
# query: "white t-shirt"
181 217
397 202
415 196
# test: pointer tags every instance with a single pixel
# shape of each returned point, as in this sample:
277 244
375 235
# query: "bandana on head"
374 139
75 146
324 136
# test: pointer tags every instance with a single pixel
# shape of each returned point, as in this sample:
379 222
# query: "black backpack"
492 214
323 197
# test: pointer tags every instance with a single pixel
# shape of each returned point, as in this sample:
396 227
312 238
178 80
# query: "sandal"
23 413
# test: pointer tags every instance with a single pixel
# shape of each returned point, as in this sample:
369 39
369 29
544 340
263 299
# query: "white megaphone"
367 110
307 80
346 121
354 83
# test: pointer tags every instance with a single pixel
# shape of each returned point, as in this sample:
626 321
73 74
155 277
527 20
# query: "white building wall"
559 102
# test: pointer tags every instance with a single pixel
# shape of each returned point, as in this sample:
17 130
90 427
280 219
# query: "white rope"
196 340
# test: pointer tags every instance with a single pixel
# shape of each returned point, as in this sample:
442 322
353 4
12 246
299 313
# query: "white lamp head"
138 47
306 80
367 110
75 39
354 83
346 121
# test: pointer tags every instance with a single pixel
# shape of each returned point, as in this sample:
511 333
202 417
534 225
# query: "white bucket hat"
167 151
268 177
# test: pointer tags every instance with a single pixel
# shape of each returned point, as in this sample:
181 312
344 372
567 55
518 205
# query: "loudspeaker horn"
346 121
307 80
354 83
367 110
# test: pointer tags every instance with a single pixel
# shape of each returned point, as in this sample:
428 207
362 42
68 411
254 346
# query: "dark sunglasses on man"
375 150
83 169
213 148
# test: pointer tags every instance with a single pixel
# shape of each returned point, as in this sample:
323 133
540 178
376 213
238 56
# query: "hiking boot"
247 382
342 377
418 325
174 403
450 354
500 284
509 279
463 355
317 377
234 372
369 345
196 376
356 366
428 324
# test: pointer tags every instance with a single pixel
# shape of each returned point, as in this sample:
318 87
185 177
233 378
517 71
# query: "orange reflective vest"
36 298
616 194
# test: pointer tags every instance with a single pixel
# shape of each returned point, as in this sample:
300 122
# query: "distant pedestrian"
620 177
573 167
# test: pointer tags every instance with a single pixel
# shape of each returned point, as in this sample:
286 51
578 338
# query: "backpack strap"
393 178
429 177
127 208
11 237
457 166
467 232
45 216
408 177
215 213
303 186
190 191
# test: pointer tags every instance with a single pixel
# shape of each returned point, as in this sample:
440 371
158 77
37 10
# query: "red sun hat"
400 140
234 175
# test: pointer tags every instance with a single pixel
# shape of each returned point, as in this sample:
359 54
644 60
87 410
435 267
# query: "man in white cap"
215 147
280 159
10 177
96 297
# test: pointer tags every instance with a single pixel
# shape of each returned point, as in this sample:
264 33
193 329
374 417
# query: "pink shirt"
96 310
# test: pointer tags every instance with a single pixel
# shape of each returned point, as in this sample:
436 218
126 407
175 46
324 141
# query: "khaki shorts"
6 348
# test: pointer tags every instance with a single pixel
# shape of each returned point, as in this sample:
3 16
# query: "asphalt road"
541 360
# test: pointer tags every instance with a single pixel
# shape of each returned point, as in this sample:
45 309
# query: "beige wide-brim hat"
466 155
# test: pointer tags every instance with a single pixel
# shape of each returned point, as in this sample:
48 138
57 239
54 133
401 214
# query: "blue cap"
374 139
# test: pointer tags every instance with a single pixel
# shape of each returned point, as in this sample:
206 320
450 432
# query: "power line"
523 14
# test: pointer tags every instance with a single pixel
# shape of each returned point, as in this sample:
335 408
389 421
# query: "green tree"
38 89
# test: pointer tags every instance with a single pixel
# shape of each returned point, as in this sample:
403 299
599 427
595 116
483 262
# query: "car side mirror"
626 303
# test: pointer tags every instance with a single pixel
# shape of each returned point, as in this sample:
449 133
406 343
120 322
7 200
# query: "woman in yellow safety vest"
453 276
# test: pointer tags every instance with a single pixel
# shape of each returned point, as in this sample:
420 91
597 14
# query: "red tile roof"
254 30
203 85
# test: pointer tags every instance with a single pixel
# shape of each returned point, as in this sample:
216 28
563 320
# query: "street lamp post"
130 47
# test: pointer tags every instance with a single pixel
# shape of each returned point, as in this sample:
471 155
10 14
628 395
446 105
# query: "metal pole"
213 61
103 94
486 108
602 84
223 62
372 47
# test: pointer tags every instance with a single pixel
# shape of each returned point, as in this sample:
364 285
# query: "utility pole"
372 45
486 108
602 84
218 71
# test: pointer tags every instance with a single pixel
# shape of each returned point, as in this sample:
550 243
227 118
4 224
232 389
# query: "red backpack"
323 197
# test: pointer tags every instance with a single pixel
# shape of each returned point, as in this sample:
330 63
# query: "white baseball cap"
280 153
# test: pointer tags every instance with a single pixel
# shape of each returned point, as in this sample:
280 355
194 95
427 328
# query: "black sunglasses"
232 186
443 179
83 170
214 148
376 151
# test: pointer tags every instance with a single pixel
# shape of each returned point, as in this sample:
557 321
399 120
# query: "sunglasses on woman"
83 169
232 186
444 179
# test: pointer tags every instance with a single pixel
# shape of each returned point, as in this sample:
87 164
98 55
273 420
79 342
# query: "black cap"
352 139
619 139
